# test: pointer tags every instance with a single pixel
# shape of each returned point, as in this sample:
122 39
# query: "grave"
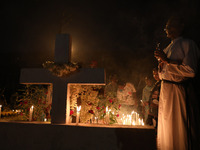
60 99
60 134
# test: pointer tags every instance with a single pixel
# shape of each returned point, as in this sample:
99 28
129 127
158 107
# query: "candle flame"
78 108
123 122
106 108
133 123
142 123
32 106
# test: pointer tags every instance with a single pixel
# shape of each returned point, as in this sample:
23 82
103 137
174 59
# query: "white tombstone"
60 99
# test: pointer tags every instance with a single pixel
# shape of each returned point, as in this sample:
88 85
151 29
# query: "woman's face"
155 75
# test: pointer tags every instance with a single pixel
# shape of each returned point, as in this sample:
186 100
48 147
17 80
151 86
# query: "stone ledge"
44 136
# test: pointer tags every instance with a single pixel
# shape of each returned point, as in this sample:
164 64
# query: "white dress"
125 96
126 99
172 116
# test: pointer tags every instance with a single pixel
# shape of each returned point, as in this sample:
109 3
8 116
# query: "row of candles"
30 112
132 119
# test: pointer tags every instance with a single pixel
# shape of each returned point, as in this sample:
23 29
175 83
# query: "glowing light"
142 123
31 113
78 108
124 122
78 114
106 108
107 115
133 123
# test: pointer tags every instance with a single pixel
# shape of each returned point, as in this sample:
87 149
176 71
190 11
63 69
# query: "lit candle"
136 119
31 113
107 115
142 122
95 119
130 119
0 110
78 114
133 123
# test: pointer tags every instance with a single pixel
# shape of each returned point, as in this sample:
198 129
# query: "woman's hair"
121 82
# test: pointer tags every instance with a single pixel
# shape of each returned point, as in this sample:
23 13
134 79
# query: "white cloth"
172 116
125 96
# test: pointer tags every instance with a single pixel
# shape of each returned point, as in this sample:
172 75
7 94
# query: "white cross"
60 99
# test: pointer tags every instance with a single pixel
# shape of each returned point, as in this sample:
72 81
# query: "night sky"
119 35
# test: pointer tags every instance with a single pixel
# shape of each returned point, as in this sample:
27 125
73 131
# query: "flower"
103 107
25 102
71 112
98 107
60 70
91 111
110 100
119 106
117 115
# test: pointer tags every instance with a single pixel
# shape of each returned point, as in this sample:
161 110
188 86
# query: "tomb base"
45 136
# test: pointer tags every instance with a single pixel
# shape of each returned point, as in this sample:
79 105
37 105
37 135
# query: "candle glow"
31 113
78 114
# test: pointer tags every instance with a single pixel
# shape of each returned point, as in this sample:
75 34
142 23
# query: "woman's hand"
162 56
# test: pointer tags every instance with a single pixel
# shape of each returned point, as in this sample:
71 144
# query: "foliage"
88 94
61 70
36 96
3 101
93 103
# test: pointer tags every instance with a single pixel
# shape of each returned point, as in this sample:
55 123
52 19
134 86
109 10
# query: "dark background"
119 35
